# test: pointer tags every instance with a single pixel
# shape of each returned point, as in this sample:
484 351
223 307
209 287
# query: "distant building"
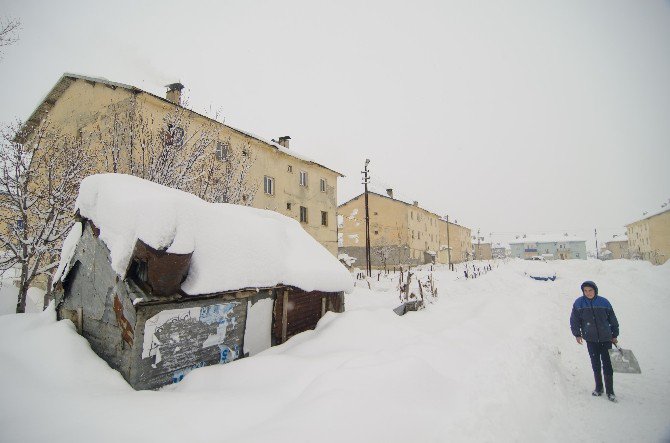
498 250
615 248
482 251
550 247
649 237
401 233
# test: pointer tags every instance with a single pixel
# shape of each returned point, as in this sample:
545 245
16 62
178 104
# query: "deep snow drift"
492 359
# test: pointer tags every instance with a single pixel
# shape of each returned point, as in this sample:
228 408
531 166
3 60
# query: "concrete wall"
649 239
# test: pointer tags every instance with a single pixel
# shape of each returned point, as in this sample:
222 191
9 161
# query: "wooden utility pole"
448 246
595 233
366 179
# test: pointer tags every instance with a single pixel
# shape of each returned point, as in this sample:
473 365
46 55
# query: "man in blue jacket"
593 320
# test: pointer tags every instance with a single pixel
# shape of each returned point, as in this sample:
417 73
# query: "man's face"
589 292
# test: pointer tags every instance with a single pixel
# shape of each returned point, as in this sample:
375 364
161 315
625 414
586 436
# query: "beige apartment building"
400 233
109 114
649 238
615 248
482 251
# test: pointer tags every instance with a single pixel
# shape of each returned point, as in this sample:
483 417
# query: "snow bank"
492 360
233 246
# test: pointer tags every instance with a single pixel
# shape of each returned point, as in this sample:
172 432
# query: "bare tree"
177 153
9 33
39 180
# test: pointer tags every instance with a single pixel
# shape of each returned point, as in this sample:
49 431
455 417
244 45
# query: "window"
324 218
174 136
303 214
289 169
288 206
412 234
222 151
418 235
323 185
376 232
411 215
19 225
245 152
269 185
303 178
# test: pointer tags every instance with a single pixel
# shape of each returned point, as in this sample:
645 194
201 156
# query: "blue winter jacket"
593 320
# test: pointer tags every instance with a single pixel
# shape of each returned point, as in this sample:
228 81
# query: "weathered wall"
108 316
173 338
649 239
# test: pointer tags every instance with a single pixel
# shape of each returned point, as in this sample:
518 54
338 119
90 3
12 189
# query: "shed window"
303 214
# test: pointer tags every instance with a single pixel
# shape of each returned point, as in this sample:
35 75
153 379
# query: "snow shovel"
624 361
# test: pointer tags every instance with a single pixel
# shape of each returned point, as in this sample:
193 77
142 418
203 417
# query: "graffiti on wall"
175 337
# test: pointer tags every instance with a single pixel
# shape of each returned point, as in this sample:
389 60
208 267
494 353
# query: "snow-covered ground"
492 359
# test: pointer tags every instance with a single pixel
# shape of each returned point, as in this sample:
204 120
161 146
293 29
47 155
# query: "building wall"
619 249
482 251
93 109
400 232
459 241
649 239
560 250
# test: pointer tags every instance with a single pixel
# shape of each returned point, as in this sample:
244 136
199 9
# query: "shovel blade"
624 361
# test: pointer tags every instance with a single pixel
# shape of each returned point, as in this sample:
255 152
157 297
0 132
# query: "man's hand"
614 340
579 340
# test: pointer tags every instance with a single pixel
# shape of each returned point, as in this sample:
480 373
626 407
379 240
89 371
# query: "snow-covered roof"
617 237
233 247
546 239
653 212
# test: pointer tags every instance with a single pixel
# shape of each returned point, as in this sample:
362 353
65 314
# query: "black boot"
609 387
599 385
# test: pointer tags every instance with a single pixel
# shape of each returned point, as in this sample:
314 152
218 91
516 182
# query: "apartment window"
222 151
324 218
303 214
269 185
245 152
303 178
19 225
418 235
288 206
376 232
174 136
322 185
289 169
412 234
411 215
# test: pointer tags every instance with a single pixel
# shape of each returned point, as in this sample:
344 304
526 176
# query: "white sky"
517 116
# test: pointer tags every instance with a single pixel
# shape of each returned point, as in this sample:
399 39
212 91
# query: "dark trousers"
600 359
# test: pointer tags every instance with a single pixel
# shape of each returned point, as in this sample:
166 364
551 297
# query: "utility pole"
448 246
595 233
366 179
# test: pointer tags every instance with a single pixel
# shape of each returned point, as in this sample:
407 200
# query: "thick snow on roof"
233 246
652 212
546 239
617 237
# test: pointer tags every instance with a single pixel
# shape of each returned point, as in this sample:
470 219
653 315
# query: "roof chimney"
283 141
416 203
173 93
389 191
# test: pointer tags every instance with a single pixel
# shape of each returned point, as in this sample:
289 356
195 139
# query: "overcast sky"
516 116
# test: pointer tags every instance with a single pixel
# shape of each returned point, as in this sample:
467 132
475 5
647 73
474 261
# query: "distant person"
593 320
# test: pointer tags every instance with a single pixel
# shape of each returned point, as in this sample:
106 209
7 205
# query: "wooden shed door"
303 311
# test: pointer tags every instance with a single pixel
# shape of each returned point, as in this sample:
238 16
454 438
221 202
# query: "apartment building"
401 233
124 117
550 247
649 237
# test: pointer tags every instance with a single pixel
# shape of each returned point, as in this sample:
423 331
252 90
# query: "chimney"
173 93
283 141
389 191
416 203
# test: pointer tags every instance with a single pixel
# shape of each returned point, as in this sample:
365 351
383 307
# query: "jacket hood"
590 284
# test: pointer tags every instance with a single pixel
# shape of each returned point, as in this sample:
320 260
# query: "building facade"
551 248
649 238
615 248
482 251
400 233
113 114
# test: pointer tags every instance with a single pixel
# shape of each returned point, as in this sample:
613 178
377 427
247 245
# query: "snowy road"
492 360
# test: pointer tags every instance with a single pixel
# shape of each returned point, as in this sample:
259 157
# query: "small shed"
161 282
